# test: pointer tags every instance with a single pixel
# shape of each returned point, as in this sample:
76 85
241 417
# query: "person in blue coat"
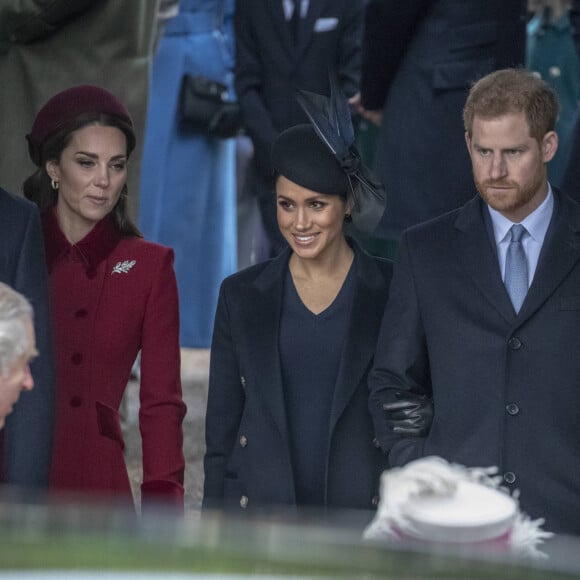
188 186
27 444
287 423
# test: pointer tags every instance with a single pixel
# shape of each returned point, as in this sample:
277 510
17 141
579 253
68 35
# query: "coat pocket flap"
109 423
457 75
472 36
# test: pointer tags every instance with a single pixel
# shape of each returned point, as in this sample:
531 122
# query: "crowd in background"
229 222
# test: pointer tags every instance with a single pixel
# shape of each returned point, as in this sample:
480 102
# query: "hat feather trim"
435 477
331 119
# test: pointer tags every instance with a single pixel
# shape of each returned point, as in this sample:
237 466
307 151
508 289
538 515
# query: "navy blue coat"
505 387
419 60
28 430
248 461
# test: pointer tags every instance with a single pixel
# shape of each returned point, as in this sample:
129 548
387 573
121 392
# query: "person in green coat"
551 53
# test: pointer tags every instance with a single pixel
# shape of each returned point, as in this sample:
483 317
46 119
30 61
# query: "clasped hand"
411 414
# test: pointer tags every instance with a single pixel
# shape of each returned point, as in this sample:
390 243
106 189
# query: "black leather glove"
410 414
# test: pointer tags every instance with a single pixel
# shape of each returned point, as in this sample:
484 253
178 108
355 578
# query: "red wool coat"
111 297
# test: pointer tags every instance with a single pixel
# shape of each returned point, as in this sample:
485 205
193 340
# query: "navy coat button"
243 381
76 402
376 443
76 358
244 502
375 501
515 343
243 440
509 477
512 408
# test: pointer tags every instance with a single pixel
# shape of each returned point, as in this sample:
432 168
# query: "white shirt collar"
289 7
535 223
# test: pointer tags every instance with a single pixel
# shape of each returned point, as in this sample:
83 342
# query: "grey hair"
15 312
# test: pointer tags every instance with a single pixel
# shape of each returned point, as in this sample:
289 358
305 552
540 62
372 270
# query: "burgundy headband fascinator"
65 107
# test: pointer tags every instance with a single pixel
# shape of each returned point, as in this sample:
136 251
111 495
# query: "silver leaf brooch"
123 267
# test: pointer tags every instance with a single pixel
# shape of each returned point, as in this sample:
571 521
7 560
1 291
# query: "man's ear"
549 146
468 141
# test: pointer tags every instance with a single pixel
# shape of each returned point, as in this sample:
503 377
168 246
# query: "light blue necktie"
516 267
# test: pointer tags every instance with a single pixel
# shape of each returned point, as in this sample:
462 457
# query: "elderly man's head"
17 348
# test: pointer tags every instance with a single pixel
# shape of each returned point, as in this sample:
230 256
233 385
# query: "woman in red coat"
112 294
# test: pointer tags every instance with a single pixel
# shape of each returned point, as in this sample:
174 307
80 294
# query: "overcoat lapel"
306 28
279 23
267 301
475 250
369 294
560 253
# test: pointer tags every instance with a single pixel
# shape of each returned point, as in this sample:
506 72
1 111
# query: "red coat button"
81 313
76 358
76 402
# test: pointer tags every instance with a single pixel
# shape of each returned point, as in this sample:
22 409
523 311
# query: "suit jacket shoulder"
374 264
377 268
262 273
13 207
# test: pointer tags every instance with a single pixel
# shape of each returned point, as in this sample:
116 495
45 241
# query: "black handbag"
204 107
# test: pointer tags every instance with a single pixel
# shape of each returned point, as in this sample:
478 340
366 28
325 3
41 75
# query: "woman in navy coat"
287 422
111 295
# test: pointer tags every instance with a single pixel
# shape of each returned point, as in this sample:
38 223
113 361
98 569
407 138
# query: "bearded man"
477 360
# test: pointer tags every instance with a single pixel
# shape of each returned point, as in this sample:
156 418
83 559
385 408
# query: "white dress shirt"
289 8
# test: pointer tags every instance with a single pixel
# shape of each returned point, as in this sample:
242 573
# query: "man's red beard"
511 199
496 183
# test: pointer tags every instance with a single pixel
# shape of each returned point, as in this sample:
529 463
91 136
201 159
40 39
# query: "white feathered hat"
432 500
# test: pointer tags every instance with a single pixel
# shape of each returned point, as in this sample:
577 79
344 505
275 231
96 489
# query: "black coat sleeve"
401 362
225 405
249 83
389 28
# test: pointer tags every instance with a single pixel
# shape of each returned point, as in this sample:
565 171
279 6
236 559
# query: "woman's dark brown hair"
38 189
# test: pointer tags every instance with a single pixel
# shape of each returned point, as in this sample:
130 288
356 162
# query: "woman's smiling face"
311 222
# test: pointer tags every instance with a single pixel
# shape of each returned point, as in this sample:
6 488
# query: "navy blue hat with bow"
331 119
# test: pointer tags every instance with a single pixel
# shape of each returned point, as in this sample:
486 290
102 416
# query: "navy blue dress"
310 352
